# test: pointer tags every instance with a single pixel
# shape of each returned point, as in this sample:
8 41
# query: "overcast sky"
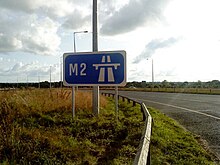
182 37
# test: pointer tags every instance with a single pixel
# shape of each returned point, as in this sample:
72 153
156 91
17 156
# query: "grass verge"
36 127
172 144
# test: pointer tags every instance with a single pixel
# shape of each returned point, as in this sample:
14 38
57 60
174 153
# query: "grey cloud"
30 69
106 9
76 20
9 43
50 8
28 33
151 47
21 5
135 14
32 26
16 67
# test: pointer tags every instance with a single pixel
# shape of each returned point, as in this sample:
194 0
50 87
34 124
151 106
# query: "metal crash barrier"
143 153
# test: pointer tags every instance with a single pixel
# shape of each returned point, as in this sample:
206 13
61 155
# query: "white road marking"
181 99
186 109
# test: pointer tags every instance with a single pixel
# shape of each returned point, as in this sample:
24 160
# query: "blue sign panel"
95 69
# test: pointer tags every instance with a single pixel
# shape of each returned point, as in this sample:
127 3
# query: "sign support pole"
116 102
95 97
73 101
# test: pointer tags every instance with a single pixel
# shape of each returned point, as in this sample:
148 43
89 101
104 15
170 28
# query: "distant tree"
198 84
143 84
45 84
185 84
165 84
215 84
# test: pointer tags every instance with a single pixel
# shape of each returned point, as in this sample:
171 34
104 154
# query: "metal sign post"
116 102
73 101
94 69
95 94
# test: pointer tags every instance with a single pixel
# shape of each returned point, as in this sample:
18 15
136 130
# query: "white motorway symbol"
109 66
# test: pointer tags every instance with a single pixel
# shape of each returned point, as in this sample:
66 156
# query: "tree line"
134 84
166 84
44 84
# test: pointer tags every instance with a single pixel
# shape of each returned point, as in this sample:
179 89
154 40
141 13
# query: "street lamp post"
152 71
50 77
61 74
74 39
73 87
38 80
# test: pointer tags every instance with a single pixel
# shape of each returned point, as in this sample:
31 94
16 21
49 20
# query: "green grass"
36 127
172 144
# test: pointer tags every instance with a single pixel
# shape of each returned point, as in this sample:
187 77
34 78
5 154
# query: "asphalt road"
198 113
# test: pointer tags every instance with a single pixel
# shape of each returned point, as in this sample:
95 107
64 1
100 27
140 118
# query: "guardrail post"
148 157
134 103
123 99
142 110
129 100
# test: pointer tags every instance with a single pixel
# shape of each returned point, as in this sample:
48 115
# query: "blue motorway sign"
95 68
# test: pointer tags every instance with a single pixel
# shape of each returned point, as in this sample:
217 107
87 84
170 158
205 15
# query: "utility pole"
27 80
17 81
50 77
152 72
38 80
61 74
95 94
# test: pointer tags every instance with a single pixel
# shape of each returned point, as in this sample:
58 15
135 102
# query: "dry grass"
36 127
46 100
32 121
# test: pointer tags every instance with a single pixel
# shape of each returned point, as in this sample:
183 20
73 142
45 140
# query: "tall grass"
47 100
36 127
29 121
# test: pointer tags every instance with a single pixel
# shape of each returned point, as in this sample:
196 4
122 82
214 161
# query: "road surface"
198 113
